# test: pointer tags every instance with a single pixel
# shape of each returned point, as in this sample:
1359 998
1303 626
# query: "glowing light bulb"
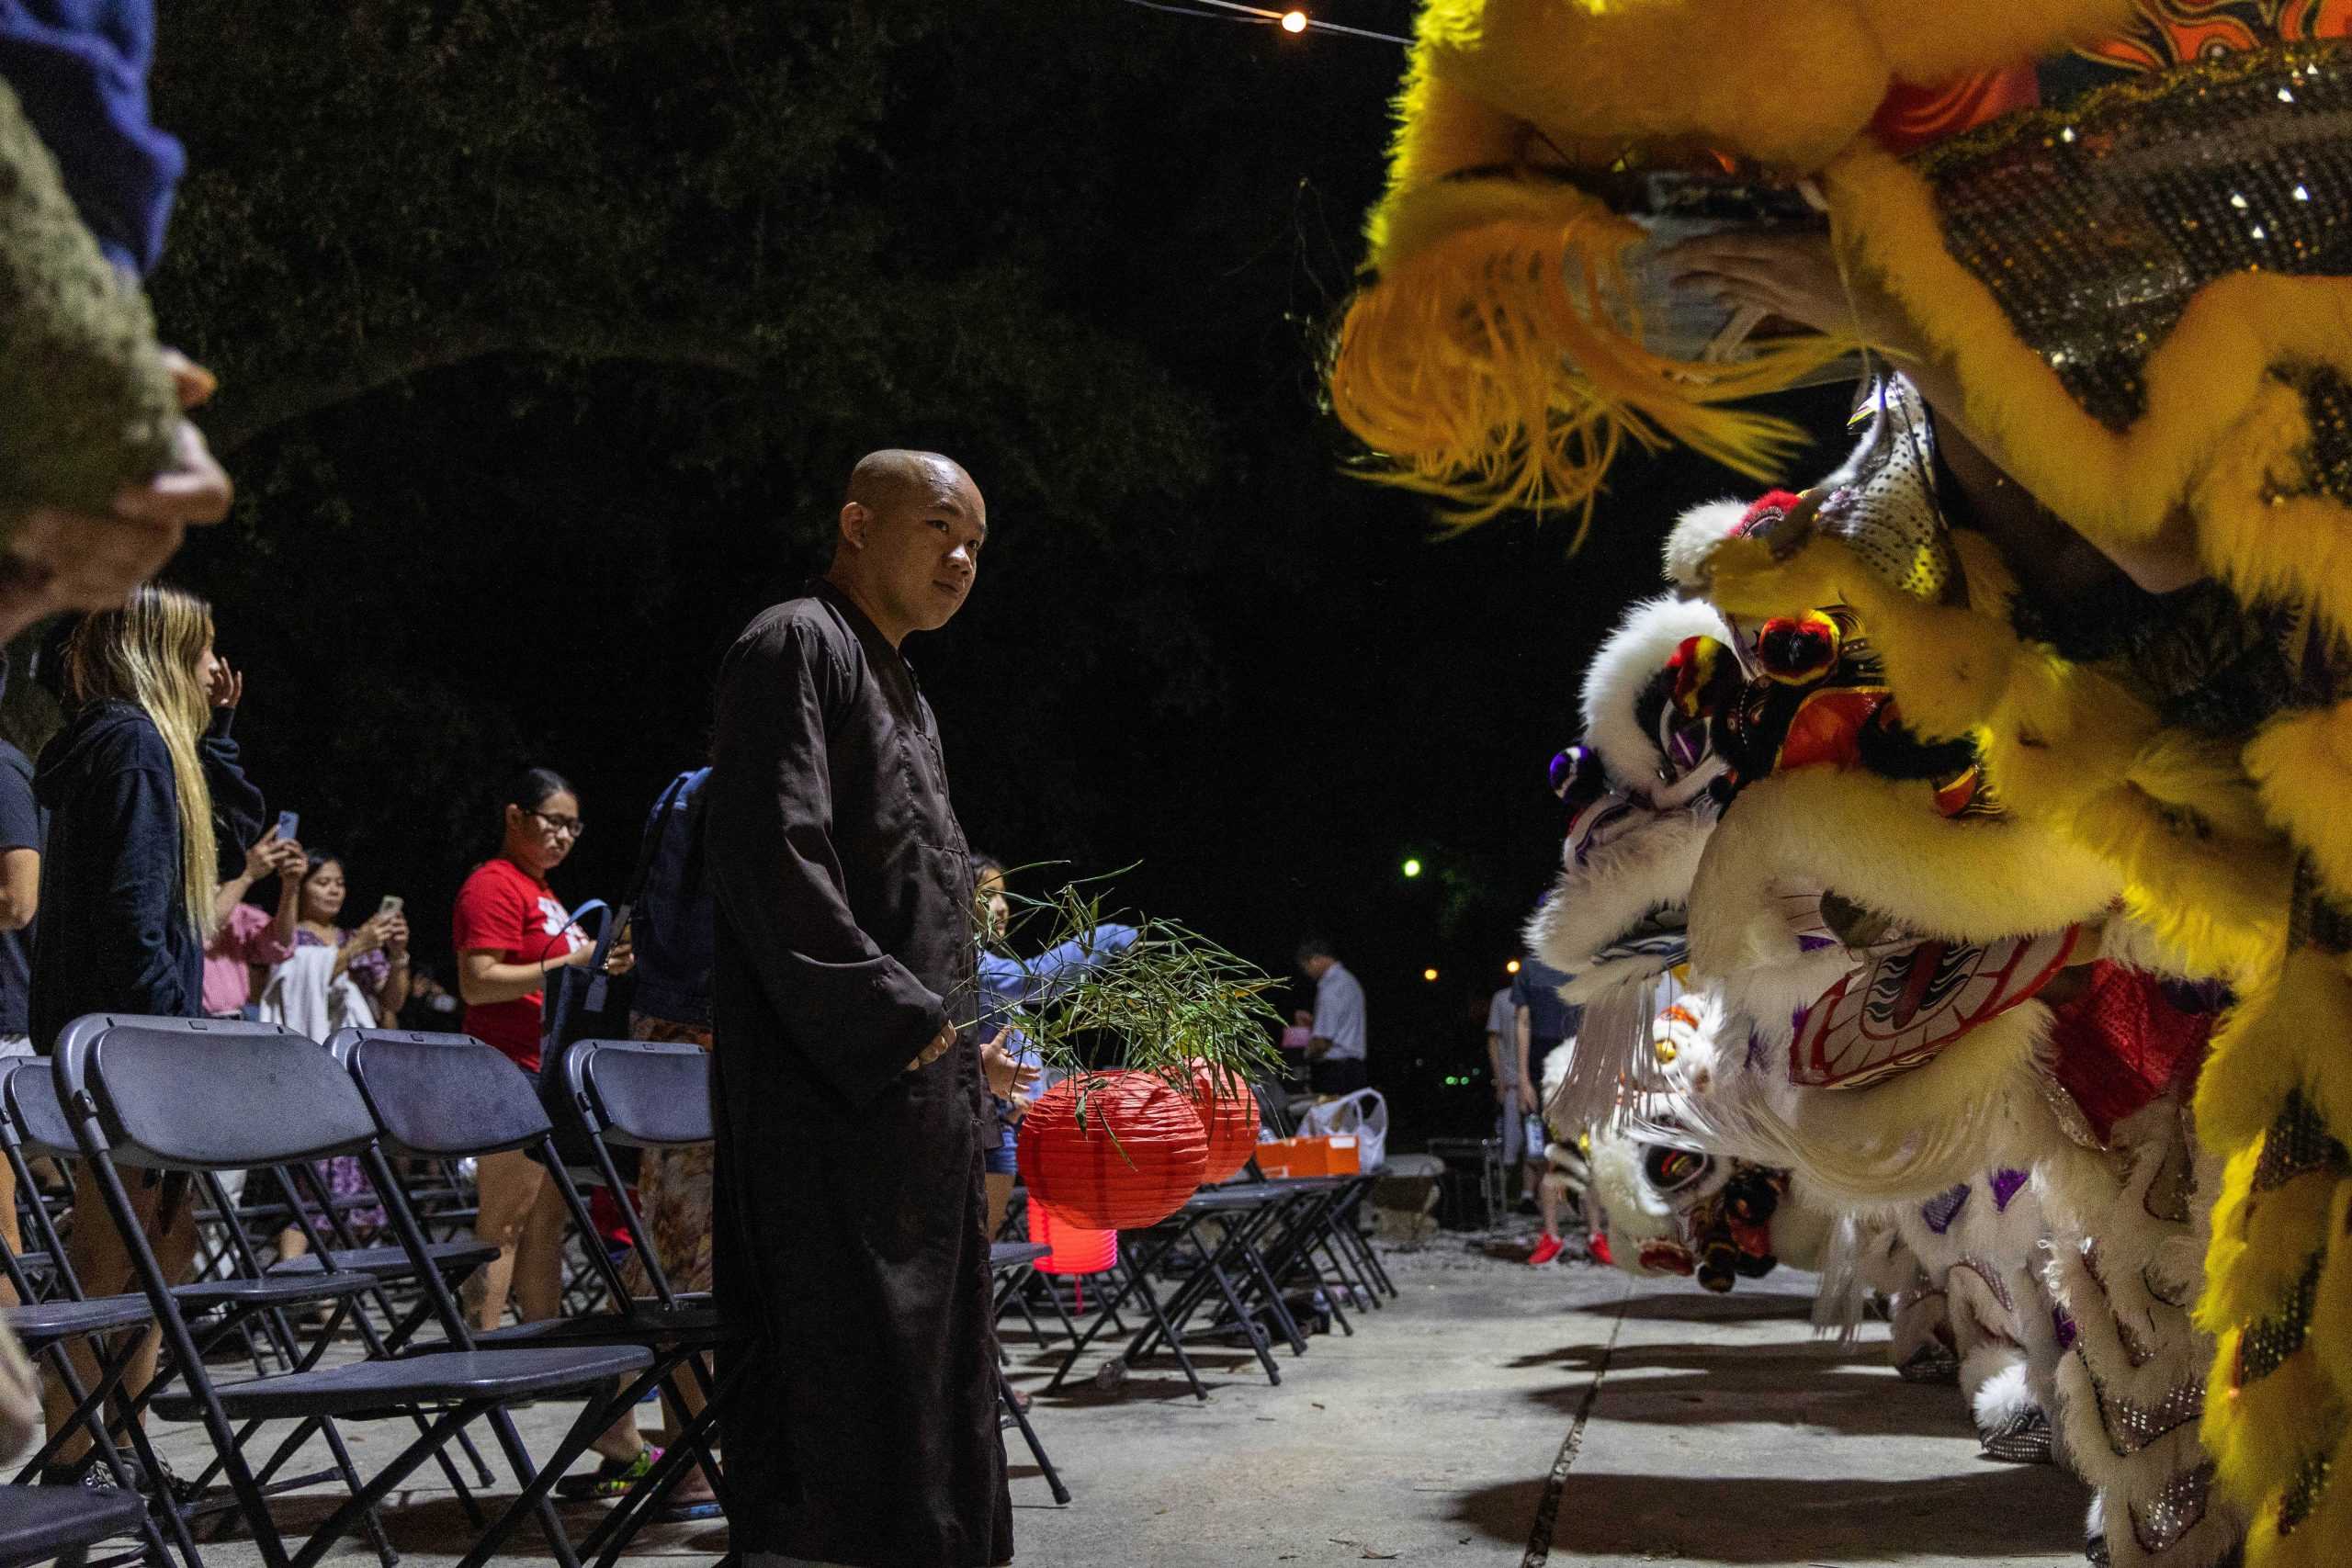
1429 974
1411 868
1511 967
1294 21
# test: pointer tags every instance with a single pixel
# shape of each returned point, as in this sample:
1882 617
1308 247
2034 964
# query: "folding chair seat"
389 1265
39 1523
43 1324
198 1094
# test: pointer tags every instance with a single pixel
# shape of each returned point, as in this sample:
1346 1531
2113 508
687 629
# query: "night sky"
1262 682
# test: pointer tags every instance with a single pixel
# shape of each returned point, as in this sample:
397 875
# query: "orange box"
1285 1158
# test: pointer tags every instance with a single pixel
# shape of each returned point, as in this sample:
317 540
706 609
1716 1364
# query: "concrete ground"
1496 1414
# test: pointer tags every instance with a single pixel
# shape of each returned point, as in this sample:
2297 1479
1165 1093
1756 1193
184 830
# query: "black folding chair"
1018 1259
221 1304
48 1322
38 1524
449 1095
648 1094
194 1094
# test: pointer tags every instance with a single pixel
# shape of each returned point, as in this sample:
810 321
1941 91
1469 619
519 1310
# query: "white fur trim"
1628 660
1644 869
1883 845
1694 536
1977 1102
1998 1391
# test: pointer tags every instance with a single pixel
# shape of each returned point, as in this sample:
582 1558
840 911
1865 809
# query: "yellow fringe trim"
2332 1315
2267 1241
2303 763
1496 360
2258 1434
2280 1039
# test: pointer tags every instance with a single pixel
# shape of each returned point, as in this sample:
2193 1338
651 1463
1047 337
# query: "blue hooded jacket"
114 935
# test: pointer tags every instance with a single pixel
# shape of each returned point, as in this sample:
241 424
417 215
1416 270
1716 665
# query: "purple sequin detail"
2065 1326
1806 943
2005 1187
1941 1210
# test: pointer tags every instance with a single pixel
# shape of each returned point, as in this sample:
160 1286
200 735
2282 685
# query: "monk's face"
919 546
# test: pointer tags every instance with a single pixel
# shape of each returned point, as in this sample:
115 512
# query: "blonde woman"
126 886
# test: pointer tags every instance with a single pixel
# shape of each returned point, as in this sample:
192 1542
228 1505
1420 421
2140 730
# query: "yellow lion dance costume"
2146 304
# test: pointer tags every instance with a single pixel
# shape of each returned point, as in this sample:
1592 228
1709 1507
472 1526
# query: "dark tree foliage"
547 329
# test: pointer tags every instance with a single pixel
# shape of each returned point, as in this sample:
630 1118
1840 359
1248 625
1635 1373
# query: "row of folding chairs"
1233 1265
170 1105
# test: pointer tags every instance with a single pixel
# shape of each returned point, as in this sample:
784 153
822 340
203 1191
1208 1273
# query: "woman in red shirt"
509 930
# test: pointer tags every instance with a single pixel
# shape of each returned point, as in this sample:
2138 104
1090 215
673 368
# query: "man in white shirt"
1335 1062
1522 1132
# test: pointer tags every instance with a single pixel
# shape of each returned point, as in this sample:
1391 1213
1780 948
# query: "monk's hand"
941 1044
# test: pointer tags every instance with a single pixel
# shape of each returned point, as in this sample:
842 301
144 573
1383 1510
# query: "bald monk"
849 1209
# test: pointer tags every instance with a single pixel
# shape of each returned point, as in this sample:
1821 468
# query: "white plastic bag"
1364 1113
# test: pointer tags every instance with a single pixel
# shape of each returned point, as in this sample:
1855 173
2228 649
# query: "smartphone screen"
391 905
287 822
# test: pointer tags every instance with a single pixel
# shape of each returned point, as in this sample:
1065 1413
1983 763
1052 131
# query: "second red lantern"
1229 1112
1142 1151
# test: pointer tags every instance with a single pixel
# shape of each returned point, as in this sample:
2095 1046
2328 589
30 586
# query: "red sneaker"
1546 1250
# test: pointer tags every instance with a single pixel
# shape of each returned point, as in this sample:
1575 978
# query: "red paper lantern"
1229 1112
1138 1156
1076 1250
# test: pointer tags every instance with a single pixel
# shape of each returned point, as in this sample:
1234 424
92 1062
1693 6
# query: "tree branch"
240 414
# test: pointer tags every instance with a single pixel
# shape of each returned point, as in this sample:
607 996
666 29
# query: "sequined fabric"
2094 225
2023 1439
2130 1425
2304 1492
2297 1143
2266 1347
2160 1523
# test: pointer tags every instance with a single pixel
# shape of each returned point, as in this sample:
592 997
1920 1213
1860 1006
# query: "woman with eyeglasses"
510 930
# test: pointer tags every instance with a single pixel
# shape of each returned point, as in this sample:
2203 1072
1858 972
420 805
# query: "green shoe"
611 1479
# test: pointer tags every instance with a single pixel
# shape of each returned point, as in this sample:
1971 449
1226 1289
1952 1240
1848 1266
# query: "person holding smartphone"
373 952
336 976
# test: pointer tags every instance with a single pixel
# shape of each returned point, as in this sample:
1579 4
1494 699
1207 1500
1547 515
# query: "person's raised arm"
859 1016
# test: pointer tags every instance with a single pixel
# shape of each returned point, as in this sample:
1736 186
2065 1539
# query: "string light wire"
1259 14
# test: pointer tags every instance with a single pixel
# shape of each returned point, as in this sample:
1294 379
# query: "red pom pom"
1798 650
1141 1153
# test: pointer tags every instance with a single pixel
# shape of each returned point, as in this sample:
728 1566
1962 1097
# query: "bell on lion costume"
2137 299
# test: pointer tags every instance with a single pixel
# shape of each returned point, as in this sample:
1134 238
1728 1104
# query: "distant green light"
1412 868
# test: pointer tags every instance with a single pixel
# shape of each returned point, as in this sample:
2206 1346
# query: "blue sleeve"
20 816
1043 977
238 809
79 67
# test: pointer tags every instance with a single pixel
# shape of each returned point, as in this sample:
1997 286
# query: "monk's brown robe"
849 1217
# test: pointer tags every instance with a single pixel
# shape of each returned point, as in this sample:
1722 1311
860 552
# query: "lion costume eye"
1672 1170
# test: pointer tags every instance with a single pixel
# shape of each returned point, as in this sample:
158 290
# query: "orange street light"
1429 974
1511 967
1294 21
